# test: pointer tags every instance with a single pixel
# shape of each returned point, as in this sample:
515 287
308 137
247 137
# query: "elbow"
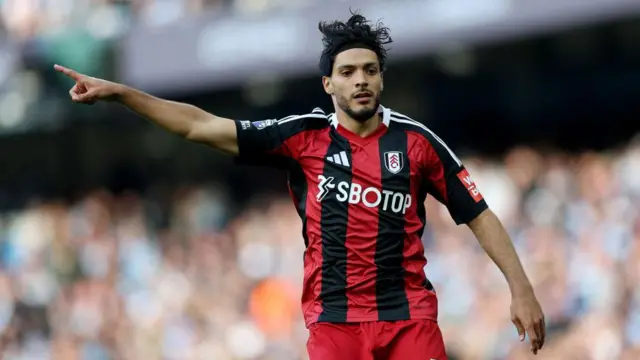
192 135
199 129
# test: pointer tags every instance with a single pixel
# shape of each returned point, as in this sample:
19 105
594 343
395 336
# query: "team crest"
393 161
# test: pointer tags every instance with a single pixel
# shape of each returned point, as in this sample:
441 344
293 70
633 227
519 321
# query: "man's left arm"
526 313
450 183
496 242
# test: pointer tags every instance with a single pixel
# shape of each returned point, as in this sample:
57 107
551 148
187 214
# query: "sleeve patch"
263 123
470 185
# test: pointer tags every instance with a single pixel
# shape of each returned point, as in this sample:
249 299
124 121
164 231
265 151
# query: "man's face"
356 83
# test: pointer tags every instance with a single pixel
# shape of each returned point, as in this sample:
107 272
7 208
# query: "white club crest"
393 161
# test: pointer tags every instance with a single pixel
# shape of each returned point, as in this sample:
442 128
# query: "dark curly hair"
356 32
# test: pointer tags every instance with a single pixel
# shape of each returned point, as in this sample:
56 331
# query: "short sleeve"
261 138
275 142
449 182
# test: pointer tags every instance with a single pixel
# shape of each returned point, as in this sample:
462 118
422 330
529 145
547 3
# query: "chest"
376 172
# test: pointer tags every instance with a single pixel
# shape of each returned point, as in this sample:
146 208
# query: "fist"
87 89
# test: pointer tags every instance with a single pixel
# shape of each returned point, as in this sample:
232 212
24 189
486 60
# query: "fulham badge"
393 161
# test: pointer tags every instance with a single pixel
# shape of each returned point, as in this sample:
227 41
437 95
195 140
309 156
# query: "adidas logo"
340 159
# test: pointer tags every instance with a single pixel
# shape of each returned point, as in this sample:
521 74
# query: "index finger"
70 73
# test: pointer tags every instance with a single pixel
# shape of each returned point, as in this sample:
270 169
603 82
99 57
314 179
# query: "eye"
372 71
346 73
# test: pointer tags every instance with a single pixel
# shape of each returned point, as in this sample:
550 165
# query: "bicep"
217 132
259 142
450 182
272 143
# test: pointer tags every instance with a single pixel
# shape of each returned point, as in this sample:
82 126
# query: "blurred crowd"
173 275
83 35
27 18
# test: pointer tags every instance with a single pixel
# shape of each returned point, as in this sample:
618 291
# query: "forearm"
496 242
178 118
182 119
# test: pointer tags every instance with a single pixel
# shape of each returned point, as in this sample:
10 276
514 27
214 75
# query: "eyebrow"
351 66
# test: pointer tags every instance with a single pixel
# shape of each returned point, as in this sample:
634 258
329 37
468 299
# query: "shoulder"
292 124
423 134
315 119
401 122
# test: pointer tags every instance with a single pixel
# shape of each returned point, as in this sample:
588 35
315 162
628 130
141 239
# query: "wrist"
119 92
520 289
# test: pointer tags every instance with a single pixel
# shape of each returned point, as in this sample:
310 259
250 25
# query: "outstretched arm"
182 119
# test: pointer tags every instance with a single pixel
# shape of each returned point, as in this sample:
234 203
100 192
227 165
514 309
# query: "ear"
382 82
327 85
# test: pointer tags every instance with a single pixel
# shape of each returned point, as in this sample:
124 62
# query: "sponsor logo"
470 185
371 197
245 124
393 161
325 185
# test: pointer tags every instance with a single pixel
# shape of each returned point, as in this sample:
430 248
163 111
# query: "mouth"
363 97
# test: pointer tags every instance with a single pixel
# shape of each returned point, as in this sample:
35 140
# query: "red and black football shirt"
361 201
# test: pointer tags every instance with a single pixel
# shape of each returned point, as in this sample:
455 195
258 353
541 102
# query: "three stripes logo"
340 159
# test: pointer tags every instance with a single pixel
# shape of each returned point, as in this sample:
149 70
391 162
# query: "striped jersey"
361 201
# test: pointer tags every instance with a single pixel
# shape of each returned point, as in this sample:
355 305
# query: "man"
358 178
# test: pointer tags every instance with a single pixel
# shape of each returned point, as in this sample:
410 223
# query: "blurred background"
120 241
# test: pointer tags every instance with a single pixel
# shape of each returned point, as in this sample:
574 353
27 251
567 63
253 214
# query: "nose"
361 79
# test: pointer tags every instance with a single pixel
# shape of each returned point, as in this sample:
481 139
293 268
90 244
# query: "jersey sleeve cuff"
468 216
243 134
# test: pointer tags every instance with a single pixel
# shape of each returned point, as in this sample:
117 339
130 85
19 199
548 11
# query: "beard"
360 115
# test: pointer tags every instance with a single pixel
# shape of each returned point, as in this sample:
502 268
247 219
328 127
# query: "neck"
361 128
